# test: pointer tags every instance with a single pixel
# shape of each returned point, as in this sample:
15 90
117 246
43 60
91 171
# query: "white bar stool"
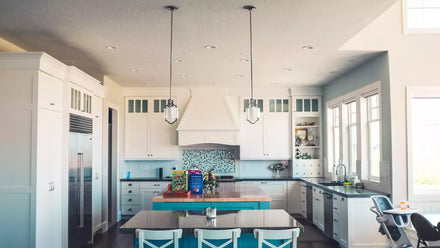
172 235
290 235
203 235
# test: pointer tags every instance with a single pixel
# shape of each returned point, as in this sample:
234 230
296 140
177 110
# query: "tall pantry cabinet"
31 104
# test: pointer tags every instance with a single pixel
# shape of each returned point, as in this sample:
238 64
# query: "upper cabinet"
307 105
269 138
147 135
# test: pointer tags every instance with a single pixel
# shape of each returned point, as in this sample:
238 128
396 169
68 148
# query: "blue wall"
376 69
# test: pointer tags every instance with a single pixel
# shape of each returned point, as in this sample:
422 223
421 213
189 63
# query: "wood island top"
226 192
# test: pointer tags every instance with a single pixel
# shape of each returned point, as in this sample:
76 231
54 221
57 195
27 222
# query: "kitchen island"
229 196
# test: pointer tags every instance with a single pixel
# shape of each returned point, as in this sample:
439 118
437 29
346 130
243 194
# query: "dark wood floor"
310 238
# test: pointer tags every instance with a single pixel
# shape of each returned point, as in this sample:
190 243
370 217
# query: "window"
423 143
334 137
373 129
354 132
352 135
421 16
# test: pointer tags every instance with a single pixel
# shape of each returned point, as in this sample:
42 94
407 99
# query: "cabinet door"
277 136
50 92
162 138
294 199
252 139
136 136
343 225
277 191
97 164
146 198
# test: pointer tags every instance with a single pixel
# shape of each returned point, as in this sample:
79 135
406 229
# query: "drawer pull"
129 184
335 208
335 220
129 200
335 234
156 185
129 209
156 192
335 198
129 191
302 201
342 199
52 104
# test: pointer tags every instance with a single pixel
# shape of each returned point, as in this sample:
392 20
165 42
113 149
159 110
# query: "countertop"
226 192
314 181
247 220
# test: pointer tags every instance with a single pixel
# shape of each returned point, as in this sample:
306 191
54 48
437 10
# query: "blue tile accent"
221 161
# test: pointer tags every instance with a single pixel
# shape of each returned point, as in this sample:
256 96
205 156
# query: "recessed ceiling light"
183 76
244 60
111 47
148 84
134 69
239 75
210 47
308 47
178 60
287 69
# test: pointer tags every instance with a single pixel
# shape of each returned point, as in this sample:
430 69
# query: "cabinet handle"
335 234
129 191
52 104
335 220
317 199
97 116
129 209
303 201
156 185
335 198
129 200
129 184
335 208
156 192
342 199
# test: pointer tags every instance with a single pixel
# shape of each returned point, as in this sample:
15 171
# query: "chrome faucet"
345 171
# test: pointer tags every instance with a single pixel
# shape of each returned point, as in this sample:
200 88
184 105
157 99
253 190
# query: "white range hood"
208 118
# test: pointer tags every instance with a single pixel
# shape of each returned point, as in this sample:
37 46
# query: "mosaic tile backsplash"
222 161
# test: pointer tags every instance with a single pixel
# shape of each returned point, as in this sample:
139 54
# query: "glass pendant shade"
253 112
171 112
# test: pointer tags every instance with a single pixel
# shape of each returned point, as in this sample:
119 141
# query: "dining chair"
203 235
425 230
145 236
288 236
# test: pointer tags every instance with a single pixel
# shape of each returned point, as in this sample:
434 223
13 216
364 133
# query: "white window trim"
350 124
369 121
358 95
407 30
412 92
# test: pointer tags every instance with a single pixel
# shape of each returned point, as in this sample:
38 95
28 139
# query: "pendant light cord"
171 8
251 50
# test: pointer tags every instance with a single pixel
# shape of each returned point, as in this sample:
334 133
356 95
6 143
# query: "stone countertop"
315 181
226 192
247 220
146 179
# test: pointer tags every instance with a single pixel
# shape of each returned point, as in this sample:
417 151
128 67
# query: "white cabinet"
81 100
340 222
268 139
147 135
97 166
303 199
306 138
137 196
294 199
31 135
318 208
277 190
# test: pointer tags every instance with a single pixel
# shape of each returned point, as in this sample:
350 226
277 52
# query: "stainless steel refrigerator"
80 181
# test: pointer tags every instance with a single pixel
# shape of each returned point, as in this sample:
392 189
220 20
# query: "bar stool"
290 235
146 235
231 234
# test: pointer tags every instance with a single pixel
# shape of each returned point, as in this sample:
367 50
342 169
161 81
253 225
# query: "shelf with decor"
306 138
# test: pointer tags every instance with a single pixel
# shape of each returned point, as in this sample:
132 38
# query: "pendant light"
252 111
171 112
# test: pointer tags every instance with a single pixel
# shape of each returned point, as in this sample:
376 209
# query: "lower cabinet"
318 208
294 200
340 222
277 190
302 199
137 196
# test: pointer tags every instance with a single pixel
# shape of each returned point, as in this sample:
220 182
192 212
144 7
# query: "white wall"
413 61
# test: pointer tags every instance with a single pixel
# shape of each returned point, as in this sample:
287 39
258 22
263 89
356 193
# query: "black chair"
425 230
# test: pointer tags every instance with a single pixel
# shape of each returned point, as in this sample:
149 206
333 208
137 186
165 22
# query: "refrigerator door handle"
81 191
78 193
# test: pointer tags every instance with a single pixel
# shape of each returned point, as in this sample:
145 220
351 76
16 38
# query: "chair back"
289 236
145 236
203 235
382 203
425 230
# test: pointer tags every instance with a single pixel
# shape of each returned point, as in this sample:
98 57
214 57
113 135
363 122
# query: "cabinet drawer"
158 185
50 92
131 209
130 185
130 200
130 192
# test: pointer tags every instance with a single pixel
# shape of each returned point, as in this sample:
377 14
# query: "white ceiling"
76 32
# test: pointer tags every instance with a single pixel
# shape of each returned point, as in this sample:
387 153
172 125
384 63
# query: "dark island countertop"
247 220
313 181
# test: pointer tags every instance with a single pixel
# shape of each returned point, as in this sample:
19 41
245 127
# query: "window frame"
359 96
368 138
407 30
417 92
350 124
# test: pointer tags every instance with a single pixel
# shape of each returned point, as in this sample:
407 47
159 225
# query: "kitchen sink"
332 184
